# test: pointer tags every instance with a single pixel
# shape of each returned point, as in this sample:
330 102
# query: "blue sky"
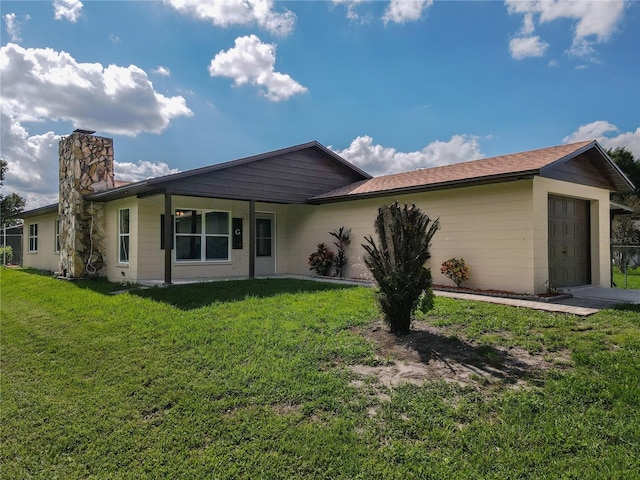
390 85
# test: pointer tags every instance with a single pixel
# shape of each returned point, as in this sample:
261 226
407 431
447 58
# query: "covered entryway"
265 260
569 245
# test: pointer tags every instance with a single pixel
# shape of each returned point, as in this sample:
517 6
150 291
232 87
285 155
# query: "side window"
123 236
56 239
33 237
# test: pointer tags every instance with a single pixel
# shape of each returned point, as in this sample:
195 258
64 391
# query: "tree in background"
625 233
398 263
628 164
11 204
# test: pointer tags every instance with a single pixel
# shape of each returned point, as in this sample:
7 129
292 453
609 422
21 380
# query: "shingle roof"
476 171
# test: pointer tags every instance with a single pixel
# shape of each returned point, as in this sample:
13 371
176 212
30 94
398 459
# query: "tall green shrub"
6 254
398 262
343 240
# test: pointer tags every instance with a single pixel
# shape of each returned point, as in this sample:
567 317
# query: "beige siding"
117 271
491 226
151 257
600 233
281 213
46 258
501 230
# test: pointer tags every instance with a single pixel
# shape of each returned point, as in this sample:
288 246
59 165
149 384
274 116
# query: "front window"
123 236
56 240
33 237
202 235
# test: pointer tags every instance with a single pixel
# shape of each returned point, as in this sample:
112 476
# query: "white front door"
265 244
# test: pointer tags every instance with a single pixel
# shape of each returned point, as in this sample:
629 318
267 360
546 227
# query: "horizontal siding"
118 272
291 178
579 170
46 258
491 226
151 257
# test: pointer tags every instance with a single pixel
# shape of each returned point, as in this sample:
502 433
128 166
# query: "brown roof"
476 171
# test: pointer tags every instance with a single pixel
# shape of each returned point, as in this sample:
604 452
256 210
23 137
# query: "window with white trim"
56 236
33 237
202 235
123 236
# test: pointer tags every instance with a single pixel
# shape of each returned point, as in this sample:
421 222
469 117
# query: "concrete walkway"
600 297
586 300
546 306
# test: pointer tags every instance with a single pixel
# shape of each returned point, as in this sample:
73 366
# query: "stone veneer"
86 166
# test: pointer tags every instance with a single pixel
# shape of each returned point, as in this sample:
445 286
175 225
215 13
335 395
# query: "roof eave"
36 212
620 209
508 177
154 184
628 185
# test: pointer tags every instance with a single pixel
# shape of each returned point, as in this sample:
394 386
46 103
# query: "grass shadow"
450 358
629 307
97 284
484 361
196 295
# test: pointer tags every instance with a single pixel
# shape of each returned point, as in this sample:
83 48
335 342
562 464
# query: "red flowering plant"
455 269
321 260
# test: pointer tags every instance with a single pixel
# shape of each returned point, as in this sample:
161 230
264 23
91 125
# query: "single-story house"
523 222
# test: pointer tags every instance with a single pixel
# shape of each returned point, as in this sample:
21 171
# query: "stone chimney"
86 166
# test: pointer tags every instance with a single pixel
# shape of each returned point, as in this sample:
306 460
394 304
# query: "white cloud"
224 13
136 172
379 160
13 25
252 61
401 11
43 84
523 47
33 164
162 71
602 132
595 21
590 131
67 9
528 25
352 14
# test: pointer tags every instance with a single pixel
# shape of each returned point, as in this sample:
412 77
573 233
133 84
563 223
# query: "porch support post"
252 238
168 241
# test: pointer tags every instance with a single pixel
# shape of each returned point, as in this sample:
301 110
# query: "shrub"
343 240
455 269
6 253
321 260
397 263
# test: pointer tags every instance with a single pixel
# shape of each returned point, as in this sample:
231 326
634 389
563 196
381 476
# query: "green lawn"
249 379
632 281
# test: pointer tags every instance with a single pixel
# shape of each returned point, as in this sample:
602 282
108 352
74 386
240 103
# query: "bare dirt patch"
429 353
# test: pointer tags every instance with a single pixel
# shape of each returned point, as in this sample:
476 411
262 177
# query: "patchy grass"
632 280
251 379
